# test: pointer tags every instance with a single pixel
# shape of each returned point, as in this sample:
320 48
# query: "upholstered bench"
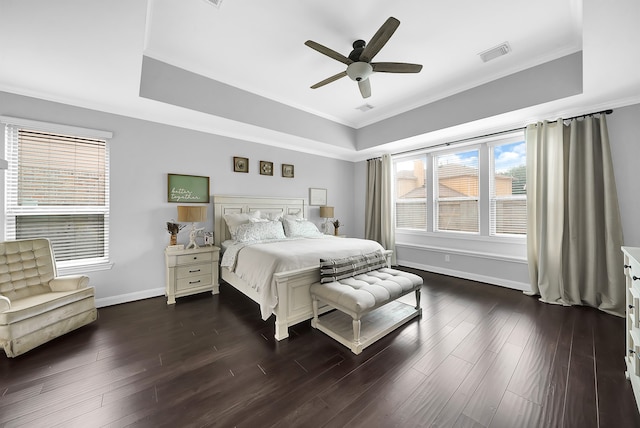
364 291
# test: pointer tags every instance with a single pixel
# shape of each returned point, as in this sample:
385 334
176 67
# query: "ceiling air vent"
364 107
495 52
215 3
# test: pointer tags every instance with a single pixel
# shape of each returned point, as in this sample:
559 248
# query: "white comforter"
257 262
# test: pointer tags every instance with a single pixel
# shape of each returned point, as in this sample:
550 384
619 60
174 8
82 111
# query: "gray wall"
142 153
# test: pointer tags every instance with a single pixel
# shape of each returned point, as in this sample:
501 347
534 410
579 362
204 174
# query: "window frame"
12 209
435 190
429 153
492 206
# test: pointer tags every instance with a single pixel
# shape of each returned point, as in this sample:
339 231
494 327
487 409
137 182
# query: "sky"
506 156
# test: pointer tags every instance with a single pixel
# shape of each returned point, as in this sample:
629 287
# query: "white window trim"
72 267
482 144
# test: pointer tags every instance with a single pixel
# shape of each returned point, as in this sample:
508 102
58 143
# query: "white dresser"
191 271
632 354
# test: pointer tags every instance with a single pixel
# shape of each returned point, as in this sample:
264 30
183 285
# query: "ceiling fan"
359 65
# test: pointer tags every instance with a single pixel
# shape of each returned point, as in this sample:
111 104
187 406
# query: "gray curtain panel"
574 232
379 224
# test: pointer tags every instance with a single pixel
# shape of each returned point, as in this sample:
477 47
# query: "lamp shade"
326 212
192 214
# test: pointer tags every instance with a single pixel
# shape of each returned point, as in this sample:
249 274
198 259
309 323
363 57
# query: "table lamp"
193 215
326 213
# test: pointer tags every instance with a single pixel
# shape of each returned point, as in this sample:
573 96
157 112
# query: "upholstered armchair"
36 305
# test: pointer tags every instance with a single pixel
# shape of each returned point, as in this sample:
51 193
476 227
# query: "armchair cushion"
35 305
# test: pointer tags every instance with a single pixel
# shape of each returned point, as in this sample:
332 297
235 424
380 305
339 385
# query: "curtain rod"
464 140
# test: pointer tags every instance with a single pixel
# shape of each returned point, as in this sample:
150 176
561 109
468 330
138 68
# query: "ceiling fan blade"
379 39
396 67
329 79
328 52
365 88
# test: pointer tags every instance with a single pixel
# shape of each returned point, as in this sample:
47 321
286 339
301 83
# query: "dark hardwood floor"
480 356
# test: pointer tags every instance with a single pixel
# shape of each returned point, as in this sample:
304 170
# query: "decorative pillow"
258 220
336 269
259 231
273 216
300 229
293 217
235 220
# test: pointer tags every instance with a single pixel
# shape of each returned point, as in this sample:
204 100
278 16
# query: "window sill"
495 247
83 269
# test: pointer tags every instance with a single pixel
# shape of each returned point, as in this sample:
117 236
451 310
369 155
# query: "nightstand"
191 271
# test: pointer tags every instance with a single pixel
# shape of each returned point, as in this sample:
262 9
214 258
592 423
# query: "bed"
288 297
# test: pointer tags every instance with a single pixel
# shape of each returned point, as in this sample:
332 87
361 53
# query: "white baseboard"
130 297
516 285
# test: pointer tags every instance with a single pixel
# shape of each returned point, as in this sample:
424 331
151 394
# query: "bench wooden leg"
314 306
356 331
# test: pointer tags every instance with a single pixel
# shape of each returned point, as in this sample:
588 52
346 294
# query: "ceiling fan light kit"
359 65
359 70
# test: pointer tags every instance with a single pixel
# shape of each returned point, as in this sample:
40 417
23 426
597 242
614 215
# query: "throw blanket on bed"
255 263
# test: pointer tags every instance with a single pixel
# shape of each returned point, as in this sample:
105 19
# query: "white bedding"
255 263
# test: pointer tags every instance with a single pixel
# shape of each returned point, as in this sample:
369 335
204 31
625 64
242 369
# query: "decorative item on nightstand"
174 228
336 226
326 213
193 215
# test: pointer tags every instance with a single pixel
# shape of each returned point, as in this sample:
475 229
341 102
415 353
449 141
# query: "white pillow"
235 220
273 216
259 231
300 228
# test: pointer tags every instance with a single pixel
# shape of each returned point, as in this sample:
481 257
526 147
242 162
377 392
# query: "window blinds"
57 187
457 188
507 188
411 193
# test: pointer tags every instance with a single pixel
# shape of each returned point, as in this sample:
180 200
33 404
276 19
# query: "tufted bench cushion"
374 292
365 292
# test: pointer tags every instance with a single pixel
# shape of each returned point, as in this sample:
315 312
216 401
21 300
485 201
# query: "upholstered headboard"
228 204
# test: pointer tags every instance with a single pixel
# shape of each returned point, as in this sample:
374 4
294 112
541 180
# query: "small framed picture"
240 164
287 170
208 238
266 168
317 197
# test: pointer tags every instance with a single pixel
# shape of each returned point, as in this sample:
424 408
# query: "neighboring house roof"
443 191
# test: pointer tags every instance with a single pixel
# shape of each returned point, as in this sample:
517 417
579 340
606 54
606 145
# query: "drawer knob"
631 351
194 282
635 278
627 266
194 271
630 306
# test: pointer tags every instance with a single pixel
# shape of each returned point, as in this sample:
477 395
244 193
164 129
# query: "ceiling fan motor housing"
359 70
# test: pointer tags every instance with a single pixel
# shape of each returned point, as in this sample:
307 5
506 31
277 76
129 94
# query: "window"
457 189
57 186
508 187
478 188
411 194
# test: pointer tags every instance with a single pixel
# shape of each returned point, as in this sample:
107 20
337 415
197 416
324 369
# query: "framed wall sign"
187 189
317 197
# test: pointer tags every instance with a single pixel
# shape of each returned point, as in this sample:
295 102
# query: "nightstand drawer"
193 270
193 258
193 281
